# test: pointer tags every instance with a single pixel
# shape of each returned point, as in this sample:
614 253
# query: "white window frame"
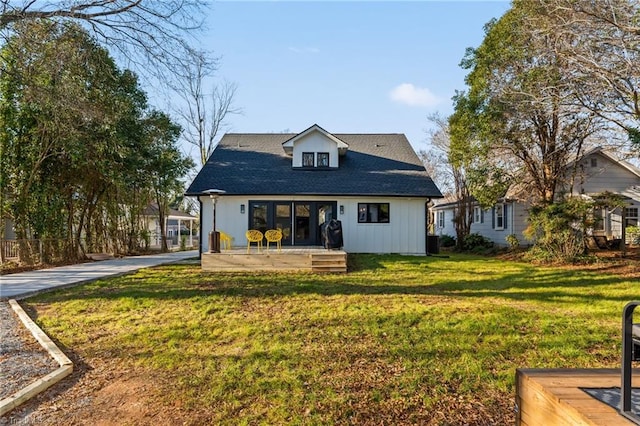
441 219
499 217
633 217
477 215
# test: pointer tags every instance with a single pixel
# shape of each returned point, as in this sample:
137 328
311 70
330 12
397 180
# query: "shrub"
447 241
513 241
476 242
146 238
558 230
183 243
633 235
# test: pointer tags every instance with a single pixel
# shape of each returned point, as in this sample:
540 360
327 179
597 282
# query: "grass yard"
398 340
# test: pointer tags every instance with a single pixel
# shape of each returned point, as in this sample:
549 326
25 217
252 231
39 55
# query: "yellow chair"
274 236
226 242
254 236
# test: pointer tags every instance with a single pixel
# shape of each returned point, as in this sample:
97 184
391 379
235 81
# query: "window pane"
259 217
598 220
383 214
323 159
362 212
307 159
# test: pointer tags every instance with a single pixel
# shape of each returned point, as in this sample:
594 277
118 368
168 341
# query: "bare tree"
448 170
204 113
600 43
141 31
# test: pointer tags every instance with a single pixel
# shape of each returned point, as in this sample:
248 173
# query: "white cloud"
304 49
408 94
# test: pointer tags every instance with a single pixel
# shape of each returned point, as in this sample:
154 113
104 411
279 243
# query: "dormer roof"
288 144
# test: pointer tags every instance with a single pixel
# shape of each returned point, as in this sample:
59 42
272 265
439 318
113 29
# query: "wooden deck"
554 397
312 259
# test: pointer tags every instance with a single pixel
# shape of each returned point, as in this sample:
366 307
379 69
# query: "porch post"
179 232
191 233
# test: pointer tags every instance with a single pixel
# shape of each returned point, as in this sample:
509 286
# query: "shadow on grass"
369 275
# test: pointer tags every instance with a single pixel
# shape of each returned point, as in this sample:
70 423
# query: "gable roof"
153 210
613 158
255 164
288 144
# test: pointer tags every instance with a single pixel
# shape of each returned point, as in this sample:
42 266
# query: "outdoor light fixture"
341 209
214 235
241 208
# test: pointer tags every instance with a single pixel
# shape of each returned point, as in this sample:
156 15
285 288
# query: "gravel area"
22 359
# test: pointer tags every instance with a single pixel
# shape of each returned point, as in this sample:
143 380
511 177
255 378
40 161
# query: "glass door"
325 212
283 221
259 216
303 234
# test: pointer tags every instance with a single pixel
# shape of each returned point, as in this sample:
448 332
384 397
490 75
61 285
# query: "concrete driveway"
25 284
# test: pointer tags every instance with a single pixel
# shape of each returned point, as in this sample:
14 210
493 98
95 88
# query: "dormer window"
323 159
307 159
315 148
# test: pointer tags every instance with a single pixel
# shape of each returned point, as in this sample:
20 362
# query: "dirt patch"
101 393
612 262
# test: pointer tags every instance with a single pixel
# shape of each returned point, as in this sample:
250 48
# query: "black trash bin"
332 234
433 244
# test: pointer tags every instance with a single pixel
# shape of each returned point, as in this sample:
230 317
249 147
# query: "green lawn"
397 340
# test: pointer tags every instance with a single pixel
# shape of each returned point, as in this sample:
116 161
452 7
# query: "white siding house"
596 172
375 184
508 217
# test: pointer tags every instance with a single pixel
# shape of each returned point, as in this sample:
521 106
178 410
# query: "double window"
312 159
373 212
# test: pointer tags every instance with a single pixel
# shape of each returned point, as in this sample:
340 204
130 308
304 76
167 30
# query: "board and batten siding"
404 234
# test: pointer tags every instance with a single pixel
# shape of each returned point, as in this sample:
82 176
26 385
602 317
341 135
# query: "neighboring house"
507 217
375 184
177 223
597 171
600 171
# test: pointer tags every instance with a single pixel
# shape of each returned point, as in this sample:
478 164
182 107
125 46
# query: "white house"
596 172
375 184
176 224
507 217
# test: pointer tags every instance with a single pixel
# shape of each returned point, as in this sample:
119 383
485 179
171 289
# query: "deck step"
329 262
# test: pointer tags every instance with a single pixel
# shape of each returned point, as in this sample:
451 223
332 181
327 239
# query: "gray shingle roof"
255 164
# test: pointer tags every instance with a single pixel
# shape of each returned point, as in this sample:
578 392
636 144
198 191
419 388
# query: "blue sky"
351 67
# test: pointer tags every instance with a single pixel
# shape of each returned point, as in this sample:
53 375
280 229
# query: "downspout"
426 227
513 222
200 232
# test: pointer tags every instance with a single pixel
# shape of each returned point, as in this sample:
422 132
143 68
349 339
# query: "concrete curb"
44 383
